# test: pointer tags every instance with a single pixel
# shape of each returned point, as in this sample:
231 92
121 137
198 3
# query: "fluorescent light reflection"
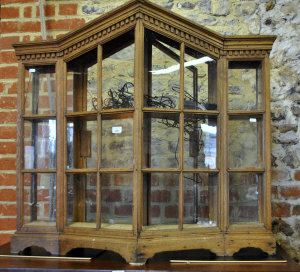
174 68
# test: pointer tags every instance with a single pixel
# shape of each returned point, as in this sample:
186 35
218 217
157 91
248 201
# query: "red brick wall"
20 21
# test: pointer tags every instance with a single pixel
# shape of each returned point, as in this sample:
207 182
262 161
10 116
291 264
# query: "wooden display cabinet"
143 132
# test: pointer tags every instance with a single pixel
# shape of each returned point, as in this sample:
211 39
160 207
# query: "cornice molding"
154 17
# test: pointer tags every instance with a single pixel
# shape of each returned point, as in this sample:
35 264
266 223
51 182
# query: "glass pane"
118 73
82 198
162 71
116 199
40 90
39 198
161 197
200 141
200 81
245 85
82 83
117 146
245 142
161 140
40 144
200 199
244 193
82 142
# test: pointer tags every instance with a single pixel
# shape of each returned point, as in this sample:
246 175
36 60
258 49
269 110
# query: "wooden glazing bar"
116 170
60 136
117 111
208 112
38 171
267 144
80 170
201 170
137 217
245 170
160 110
246 113
223 195
39 116
81 114
99 134
160 170
20 145
181 138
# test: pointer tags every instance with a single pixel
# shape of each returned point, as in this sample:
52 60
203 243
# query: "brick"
124 210
8 223
160 196
49 10
290 192
281 209
5 238
13 88
111 195
9 12
8 195
8 209
171 212
296 210
7 164
8 133
8 102
8 117
8 179
30 27
9 72
6 42
155 211
297 175
9 27
67 9
28 12
8 148
66 24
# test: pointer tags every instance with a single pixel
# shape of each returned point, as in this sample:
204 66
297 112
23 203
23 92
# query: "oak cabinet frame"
229 60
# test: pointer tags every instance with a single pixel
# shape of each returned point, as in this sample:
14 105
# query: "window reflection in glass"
40 90
200 141
200 81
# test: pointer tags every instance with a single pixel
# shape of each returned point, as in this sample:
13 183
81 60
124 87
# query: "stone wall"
20 22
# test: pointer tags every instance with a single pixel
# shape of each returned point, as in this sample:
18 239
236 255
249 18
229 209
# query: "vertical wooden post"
181 139
137 127
267 143
61 83
20 145
222 150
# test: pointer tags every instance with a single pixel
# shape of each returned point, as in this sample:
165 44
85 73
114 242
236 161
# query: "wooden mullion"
39 116
99 134
267 144
20 145
223 195
246 170
81 171
246 112
137 127
38 171
181 139
161 170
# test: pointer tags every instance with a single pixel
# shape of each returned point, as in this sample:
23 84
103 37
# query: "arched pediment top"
154 17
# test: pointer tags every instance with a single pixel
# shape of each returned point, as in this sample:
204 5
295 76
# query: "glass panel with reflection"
82 83
40 89
244 197
200 141
81 197
39 198
200 81
200 199
162 71
116 198
245 142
